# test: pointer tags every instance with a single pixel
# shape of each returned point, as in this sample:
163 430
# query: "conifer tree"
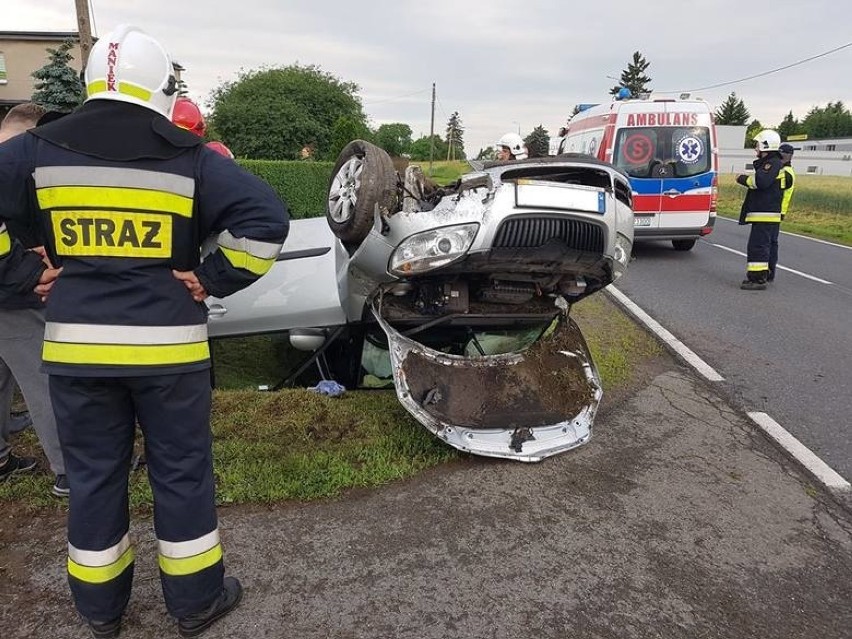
58 86
633 77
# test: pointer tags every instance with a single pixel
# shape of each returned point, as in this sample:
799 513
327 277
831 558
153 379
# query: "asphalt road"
786 351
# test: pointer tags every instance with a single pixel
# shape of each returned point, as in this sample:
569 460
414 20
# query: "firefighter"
788 183
511 147
188 116
762 208
126 198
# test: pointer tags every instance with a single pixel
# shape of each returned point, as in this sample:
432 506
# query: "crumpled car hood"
524 406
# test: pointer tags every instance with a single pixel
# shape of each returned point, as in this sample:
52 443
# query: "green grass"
445 172
821 206
297 445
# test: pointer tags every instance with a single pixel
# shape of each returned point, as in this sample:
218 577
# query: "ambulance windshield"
663 152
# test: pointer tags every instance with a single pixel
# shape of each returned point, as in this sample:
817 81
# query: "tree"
488 153
273 113
395 138
633 77
344 131
58 86
732 112
789 126
832 121
753 129
455 138
538 142
420 148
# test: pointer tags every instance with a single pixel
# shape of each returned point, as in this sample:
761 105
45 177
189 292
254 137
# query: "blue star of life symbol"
689 149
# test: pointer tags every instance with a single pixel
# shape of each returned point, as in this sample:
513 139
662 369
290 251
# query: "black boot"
751 285
105 629
194 625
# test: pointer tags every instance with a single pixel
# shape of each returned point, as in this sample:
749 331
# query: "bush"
302 185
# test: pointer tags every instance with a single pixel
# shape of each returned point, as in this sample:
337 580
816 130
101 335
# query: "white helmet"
767 140
515 144
130 66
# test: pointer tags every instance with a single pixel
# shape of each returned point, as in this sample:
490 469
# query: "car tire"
363 177
683 245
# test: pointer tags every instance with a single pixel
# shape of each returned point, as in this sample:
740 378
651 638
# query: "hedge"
302 185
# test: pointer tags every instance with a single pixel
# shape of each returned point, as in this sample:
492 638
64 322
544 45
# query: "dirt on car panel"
545 388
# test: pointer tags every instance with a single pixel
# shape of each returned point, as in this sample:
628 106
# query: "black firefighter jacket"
762 202
123 197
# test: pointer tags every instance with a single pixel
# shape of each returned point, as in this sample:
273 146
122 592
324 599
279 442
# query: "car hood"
524 406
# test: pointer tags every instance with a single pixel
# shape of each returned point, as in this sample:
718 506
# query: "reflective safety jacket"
124 197
788 183
762 202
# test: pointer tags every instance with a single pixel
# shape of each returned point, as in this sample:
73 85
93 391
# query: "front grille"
533 232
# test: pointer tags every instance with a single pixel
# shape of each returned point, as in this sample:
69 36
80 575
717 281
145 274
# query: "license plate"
644 220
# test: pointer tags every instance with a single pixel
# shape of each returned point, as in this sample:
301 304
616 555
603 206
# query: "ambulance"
668 149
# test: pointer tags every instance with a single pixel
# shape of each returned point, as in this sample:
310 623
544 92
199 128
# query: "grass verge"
821 206
296 445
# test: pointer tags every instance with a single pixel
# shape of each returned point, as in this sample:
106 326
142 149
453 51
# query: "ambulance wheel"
683 245
362 178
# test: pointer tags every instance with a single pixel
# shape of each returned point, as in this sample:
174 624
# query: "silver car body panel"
523 441
303 288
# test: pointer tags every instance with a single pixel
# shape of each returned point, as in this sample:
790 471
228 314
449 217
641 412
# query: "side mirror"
307 339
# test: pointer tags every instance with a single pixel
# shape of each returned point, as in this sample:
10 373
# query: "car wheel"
683 245
362 178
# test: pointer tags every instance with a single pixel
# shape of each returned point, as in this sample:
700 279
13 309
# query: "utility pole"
84 29
432 132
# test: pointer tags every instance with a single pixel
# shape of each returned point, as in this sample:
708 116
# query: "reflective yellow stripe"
121 355
100 86
114 197
757 266
191 565
750 182
763 217
5 241
101 574
241 259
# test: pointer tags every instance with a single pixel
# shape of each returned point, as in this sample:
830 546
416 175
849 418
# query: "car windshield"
663 152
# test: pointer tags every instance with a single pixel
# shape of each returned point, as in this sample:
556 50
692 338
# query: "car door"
302 289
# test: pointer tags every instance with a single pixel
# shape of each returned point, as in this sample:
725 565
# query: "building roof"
39 35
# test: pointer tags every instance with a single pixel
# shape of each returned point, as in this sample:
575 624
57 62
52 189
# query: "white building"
817 157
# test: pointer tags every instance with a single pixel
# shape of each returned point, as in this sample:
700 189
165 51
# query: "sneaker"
748 285
19 422
60 486
104 629
14 465
194 625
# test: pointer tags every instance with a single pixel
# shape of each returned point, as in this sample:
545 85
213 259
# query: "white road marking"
800 452
703 368
822 471
778 266
804 237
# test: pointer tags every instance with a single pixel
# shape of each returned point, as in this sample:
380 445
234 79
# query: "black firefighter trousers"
762 250
96 419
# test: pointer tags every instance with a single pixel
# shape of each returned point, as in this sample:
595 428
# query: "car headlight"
621 255
431 249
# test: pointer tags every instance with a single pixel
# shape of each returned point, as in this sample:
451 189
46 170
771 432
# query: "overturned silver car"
458 296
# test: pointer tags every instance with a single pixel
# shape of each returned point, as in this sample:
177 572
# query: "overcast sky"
502 64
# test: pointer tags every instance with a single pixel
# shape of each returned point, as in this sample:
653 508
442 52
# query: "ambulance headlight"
432 249
621 255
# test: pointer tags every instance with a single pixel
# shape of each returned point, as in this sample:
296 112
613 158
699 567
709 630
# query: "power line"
398 97
759 75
